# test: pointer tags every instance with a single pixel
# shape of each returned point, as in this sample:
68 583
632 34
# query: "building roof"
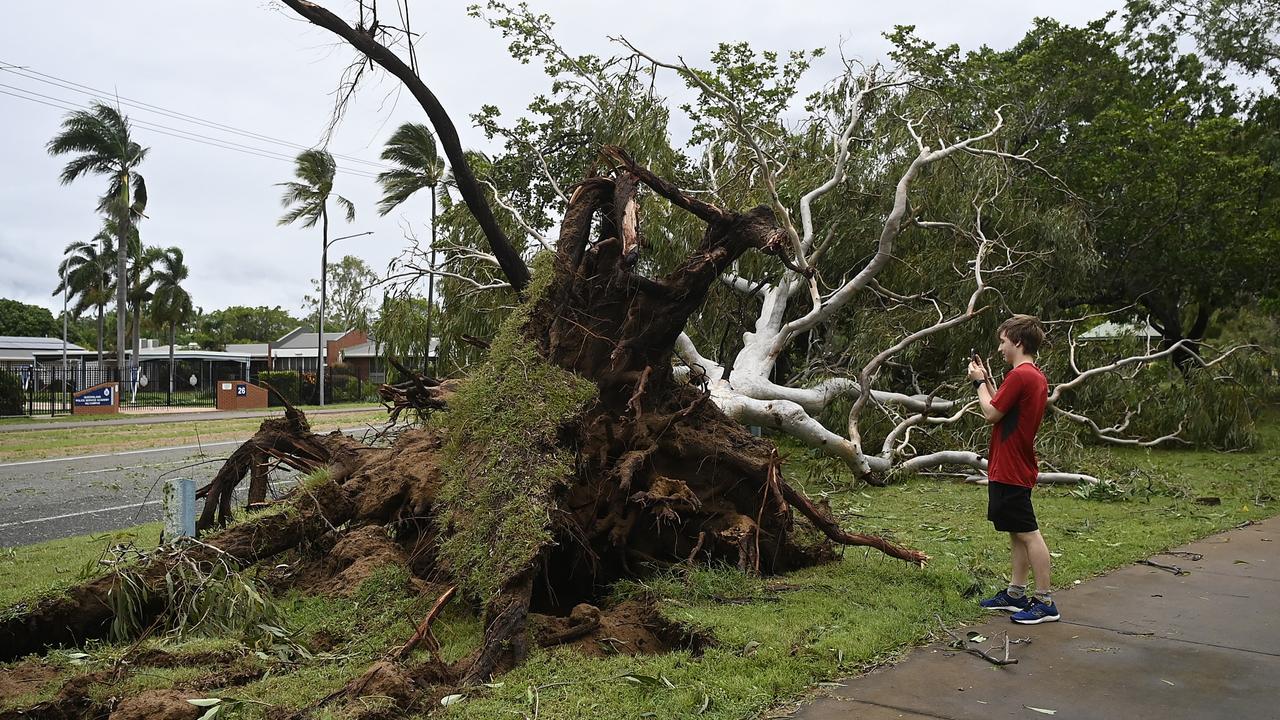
1112 330
299 339
254 350
36 344
26 349
374 349
182 353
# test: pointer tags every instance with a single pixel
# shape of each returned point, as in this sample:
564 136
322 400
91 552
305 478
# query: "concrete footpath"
1138 643
159 418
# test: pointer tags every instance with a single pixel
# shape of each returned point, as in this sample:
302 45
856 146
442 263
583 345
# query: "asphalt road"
47 499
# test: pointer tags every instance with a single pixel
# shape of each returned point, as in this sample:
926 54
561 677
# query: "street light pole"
64 332
322 358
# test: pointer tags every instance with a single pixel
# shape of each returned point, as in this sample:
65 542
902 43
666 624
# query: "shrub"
285 382
12 399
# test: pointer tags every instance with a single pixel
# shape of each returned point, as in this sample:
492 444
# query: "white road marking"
141 452
102 510
130 467
117 454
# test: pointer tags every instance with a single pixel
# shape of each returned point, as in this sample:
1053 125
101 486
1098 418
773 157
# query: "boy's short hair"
1023 330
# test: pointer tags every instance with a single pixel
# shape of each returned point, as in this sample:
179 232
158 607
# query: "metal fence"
34 390
300 387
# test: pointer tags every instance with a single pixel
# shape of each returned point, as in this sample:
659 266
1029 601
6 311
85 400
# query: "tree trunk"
101 324
431 289
647 472
324 274
173 332
122 282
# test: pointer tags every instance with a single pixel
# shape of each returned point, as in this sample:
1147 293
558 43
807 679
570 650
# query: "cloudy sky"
226 93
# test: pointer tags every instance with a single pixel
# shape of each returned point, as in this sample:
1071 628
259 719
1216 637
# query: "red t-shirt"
1021 397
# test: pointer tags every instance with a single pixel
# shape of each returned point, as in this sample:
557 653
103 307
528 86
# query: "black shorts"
1009 508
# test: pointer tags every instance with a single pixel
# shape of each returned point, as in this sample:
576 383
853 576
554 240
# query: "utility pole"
322 358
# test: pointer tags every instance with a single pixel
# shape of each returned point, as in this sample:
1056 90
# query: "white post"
179 508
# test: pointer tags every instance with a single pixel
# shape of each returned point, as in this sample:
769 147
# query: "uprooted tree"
577 453
572 458
902 249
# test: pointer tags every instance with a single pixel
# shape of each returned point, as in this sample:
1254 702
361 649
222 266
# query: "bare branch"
512 265
497 196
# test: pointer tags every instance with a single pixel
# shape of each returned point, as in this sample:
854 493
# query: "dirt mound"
25 678
156 705
398 483
630 628
341 568
72 702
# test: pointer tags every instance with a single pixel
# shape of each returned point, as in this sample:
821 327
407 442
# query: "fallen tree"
572 458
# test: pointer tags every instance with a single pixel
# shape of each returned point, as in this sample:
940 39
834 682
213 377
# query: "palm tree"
142 259
308 201
86 272
99 139
412 148
170 304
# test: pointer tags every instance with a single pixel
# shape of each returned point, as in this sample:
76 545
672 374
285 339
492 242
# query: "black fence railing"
34 390
300 387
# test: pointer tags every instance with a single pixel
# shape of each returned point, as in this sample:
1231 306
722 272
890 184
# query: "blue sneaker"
1036 613
1003 601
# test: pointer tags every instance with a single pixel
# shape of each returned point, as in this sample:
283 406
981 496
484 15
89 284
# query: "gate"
35 390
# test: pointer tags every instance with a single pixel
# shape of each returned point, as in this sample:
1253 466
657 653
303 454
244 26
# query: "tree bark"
513 266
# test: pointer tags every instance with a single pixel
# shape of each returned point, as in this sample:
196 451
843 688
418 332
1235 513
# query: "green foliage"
288 383
347 305
203 599
1177 182
412 148
504 462
21 319
402 327
13 401
1214 407
239 324
1239 35
307 198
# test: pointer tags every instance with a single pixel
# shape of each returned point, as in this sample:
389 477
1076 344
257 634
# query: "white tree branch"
497 196
892 227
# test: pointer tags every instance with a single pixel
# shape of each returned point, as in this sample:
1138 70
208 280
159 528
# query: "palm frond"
346 205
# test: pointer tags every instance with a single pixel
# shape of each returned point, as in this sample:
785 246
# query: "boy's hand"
976 371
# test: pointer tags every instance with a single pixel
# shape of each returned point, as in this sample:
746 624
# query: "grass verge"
779 636
54 443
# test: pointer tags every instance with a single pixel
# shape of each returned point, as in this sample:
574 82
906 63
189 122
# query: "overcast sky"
250 65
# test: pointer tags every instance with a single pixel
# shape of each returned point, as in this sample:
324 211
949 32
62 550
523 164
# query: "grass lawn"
44 419
34 570
66 442
776 637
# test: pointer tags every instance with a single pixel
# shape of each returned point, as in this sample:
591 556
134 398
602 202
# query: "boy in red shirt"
1015 412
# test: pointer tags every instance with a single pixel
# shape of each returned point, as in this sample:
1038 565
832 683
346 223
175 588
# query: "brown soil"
339 570
630 628
25 678
71 703
157 705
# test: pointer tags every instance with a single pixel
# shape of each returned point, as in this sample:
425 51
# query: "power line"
73 86
61 104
